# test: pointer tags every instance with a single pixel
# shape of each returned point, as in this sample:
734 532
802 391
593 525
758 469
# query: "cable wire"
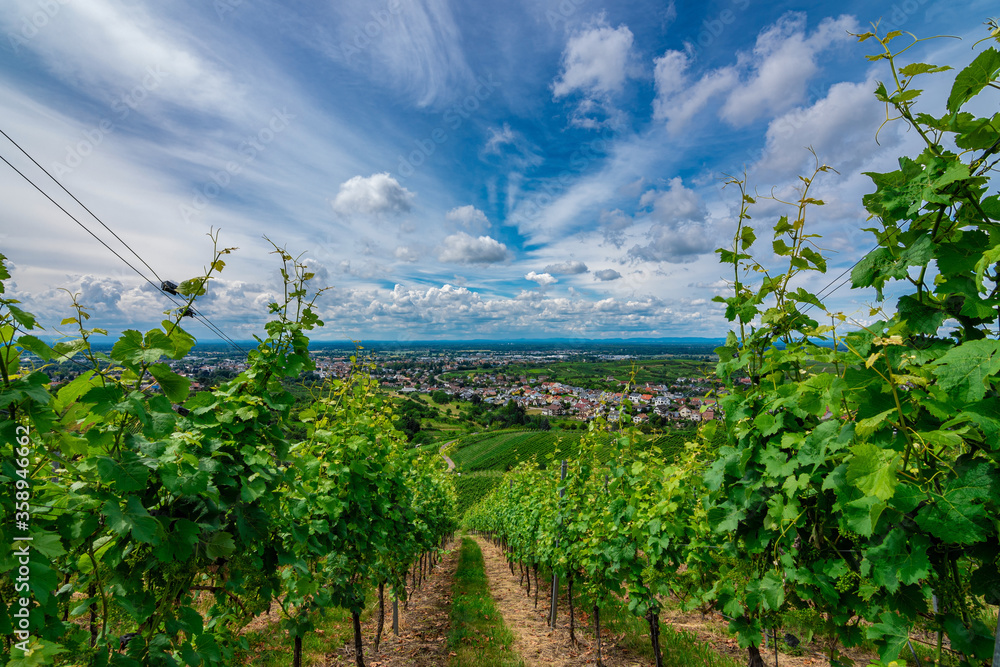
92 214
211 326
820 294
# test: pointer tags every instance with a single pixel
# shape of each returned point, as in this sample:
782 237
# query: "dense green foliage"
503 450
471 487
509 415
867 496
139 497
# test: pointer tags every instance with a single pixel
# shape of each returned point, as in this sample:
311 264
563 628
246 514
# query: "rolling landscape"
657 334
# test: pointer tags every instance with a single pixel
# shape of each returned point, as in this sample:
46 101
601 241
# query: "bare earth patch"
537 643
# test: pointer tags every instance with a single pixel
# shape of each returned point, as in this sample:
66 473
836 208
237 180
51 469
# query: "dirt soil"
537 643
712 630
423 625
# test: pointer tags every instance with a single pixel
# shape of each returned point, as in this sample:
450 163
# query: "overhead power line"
92 214
204 320
821 295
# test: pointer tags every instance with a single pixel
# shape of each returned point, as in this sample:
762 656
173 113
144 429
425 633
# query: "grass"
478 635
679 647
272 647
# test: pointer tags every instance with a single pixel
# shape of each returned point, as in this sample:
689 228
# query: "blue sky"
453 170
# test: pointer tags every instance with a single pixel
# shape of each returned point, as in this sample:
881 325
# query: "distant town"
664 383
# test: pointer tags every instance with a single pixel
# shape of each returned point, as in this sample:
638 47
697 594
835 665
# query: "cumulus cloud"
595 61
470 218
239 308
613 226
542 279
606 275
566 268
423 311
678 245
406 254
770 79
784 59
839 127
377 194
676 204
595 65
461 248
321 275
680 229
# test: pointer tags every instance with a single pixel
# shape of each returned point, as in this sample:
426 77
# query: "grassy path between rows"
478 634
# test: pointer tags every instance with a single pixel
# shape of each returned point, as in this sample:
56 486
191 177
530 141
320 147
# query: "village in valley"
663 386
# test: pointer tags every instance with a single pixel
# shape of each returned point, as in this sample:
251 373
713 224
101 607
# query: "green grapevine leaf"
893 632
36 346
174 386
900 559
180 540
968 368
128 475
134 519
914 69
219 545
974 78
951 517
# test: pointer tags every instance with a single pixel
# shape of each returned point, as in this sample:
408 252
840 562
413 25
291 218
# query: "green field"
471 486
482 458
500 451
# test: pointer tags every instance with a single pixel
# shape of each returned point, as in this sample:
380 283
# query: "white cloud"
377 194
606 275
613 225
104 46
676 244
542 279
595 61
566 268
676 204
677 101
512 147
681 229
595 64
770 79
783 61
320 273
470 218
406 254
462 248
423 311
414 46
498 138
839 127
